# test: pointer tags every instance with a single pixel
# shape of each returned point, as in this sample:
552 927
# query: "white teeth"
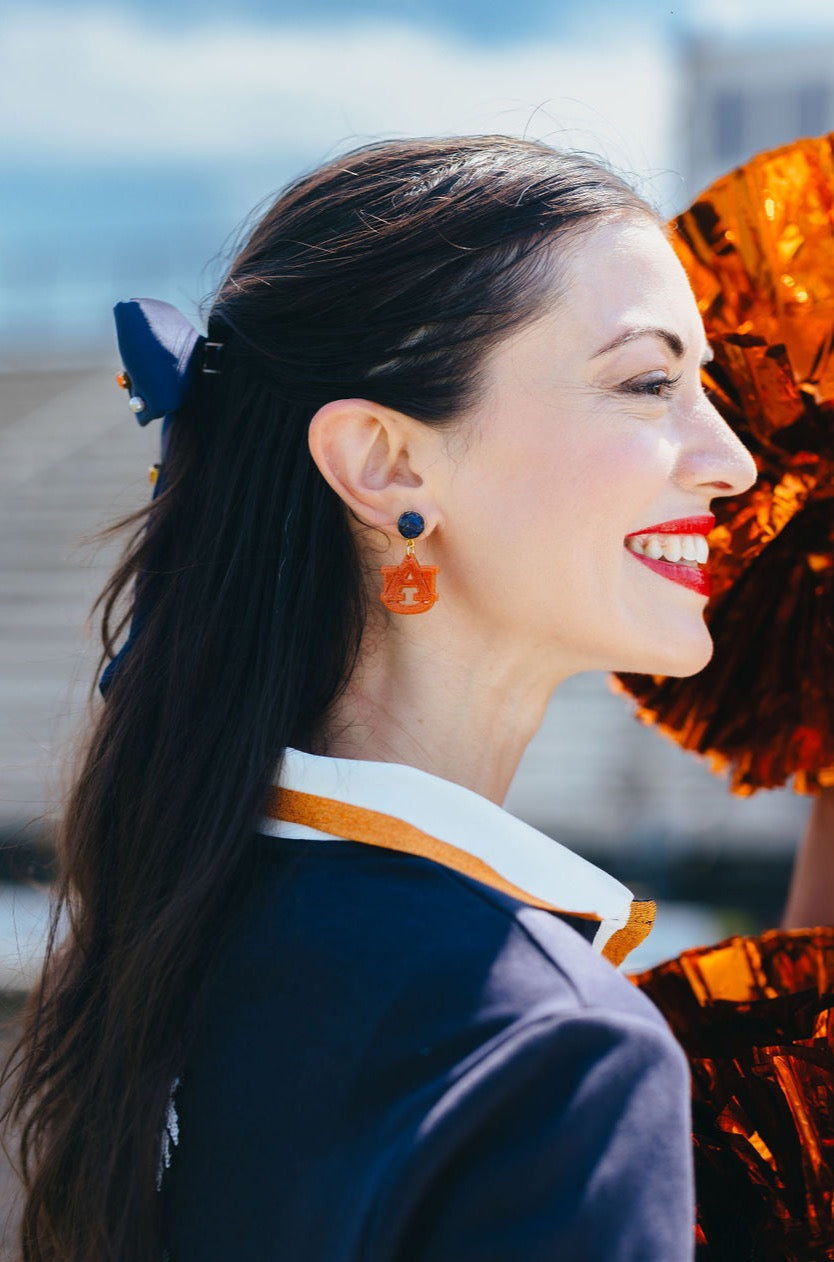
679 549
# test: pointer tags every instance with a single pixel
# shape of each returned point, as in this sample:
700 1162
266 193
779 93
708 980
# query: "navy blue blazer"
398 1063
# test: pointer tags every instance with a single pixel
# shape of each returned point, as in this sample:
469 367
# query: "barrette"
161 352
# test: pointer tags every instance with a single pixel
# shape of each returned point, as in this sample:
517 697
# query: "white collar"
456 816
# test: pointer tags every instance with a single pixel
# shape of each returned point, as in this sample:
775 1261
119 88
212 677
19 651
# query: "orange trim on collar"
374 828
636 929
358 823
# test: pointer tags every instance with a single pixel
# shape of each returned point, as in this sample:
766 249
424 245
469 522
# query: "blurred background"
136 137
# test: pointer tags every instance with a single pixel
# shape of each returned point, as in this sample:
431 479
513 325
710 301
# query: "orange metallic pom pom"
758 247
755 1017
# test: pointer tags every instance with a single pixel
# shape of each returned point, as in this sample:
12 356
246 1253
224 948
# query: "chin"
680 659
677 649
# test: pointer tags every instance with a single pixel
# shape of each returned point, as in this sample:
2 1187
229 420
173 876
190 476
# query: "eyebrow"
671 339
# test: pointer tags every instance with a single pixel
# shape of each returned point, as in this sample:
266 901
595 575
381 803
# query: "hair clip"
161 351
212 358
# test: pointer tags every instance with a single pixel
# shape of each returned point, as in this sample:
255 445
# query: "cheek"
588 490
558 491
528 530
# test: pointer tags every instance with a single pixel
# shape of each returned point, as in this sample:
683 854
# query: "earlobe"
363 452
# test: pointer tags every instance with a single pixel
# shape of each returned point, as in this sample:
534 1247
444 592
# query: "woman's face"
593 431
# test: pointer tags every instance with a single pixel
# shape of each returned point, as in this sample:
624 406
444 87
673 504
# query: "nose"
714 457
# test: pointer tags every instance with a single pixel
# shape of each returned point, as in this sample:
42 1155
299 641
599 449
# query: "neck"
465 712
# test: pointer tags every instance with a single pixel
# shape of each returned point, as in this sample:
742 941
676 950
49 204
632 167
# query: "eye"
657 385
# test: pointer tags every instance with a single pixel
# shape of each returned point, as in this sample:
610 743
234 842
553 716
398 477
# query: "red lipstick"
687 575
681 526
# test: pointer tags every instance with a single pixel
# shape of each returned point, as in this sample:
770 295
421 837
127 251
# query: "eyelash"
656 388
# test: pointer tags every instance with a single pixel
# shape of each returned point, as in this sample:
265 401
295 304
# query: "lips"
681 526
687 575
675 550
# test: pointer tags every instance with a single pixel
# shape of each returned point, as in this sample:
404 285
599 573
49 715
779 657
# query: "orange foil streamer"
754 1016
758 247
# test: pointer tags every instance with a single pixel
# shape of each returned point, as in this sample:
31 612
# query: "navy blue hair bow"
161 351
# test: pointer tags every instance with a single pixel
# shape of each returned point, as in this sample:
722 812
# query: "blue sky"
189 81
136 135
480 21
126 84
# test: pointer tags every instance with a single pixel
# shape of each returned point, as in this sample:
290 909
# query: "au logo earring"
409 586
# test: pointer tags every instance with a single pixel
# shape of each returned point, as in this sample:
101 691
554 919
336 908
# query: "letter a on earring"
409 586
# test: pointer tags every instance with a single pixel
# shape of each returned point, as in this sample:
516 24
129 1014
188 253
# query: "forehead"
620 275
609 280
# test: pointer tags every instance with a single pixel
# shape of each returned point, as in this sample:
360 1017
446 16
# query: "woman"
385 1005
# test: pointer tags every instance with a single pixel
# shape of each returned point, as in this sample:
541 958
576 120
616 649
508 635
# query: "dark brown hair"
388 273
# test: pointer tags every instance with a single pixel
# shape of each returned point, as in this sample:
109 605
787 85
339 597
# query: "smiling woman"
321 998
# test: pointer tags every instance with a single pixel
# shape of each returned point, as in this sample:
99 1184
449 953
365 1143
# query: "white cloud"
92 84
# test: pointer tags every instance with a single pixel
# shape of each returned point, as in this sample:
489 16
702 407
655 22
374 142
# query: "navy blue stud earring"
409 586
410 525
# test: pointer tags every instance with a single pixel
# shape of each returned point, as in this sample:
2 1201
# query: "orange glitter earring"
409 586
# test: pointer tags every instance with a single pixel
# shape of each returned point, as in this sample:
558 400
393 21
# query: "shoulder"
430 1049
567 1134
405 930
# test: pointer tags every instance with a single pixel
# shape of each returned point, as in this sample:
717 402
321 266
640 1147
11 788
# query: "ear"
372 456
